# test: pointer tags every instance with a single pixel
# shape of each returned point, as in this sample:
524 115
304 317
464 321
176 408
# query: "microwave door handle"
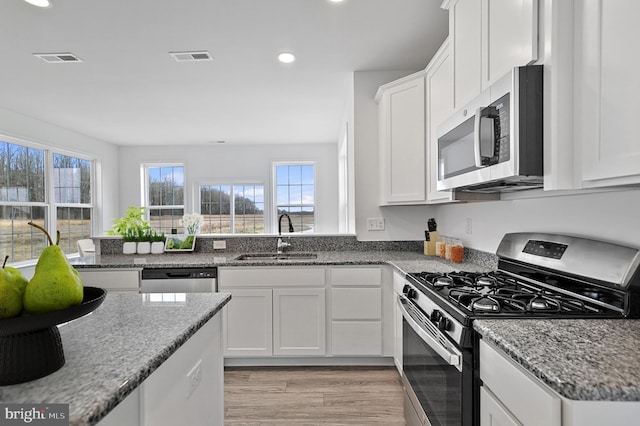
452 358
484 135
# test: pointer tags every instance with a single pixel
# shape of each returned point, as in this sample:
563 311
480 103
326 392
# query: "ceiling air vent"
53 58
192 56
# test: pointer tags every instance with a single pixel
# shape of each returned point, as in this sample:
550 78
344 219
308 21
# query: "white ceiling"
129 91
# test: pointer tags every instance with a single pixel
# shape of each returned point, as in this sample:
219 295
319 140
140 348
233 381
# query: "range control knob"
435 316
411 293
444 324
406 288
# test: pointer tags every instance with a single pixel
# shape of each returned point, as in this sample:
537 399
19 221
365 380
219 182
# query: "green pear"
55 284
12 285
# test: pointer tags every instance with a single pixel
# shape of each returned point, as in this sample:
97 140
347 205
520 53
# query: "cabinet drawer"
356 276
356 303
271 277
356 338
527 400
127 279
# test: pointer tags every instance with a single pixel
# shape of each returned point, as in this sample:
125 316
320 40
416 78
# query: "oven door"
437 375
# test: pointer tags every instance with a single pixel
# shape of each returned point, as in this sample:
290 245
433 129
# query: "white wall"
49 135
240 163
402 223
610 216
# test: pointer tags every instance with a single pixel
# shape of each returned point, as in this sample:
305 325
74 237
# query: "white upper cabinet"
488 38
465 30
607 90
402 159
439 97
510 36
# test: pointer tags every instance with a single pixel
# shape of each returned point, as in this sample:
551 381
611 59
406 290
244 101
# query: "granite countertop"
590 360
405 261
110 351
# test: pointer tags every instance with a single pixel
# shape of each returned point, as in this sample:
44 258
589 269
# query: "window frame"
232 183
49 203
145 199
274 187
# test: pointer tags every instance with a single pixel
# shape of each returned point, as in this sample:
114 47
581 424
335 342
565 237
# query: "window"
295 194
25 182
72 199
164 193
245 215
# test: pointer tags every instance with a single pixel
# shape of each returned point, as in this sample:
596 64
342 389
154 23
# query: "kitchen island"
111 352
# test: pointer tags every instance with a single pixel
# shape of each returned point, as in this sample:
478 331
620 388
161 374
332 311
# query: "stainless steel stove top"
538 276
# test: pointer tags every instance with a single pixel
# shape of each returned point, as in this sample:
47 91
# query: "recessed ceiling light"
286 57
336 1
39 3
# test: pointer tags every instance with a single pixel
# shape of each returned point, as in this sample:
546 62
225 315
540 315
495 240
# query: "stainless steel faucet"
281 245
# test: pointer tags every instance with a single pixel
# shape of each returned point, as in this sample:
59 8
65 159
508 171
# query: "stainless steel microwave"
494 143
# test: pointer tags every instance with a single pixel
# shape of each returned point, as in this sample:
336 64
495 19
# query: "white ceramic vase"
129 247
157 247
144 247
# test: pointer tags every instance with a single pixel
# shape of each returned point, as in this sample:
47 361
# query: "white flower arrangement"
192 222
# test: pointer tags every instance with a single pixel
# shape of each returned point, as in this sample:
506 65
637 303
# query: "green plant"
157 237
132 226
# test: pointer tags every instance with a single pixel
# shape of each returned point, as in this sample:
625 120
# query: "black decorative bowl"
30 345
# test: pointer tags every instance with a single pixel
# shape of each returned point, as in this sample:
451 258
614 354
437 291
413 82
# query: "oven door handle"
450 355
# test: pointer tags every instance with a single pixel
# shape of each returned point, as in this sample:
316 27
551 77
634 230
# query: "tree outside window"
24 183
295 194
164 185
243 215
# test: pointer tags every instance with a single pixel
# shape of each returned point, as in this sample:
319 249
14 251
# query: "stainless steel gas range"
538 276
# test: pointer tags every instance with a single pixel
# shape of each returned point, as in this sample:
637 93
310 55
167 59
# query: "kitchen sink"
276 256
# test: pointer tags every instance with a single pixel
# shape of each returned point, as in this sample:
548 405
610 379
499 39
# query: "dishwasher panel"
179 280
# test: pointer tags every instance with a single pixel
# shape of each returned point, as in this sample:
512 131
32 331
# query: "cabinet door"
439 95
492 413
299 321
510 36
402 143
606 96
247 325
465 18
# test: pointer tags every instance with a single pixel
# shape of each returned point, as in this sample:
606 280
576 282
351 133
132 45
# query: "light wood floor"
305 396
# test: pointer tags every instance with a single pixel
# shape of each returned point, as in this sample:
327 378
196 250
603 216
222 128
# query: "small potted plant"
157 242
133 228
144 240
129 246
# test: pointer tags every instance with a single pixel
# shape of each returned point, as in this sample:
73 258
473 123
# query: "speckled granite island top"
587 360
110 351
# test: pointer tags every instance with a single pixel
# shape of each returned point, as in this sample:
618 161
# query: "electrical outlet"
194 377
375 224
469 226
219 244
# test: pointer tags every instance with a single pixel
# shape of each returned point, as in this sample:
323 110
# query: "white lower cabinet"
510 395
274 311
299 321
399 282
170 395
248 323
356 311
114 280
524 400
306 312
